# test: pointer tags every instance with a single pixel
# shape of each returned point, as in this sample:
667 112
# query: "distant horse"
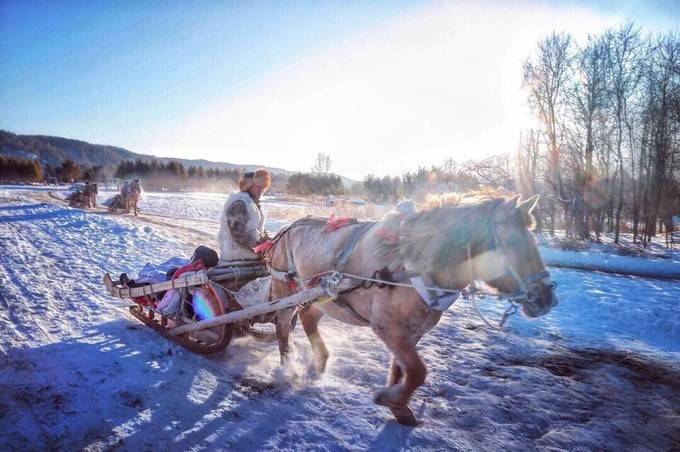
90 193
130 193
455 240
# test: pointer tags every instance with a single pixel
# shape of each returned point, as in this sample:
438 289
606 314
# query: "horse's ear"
512 202
530 204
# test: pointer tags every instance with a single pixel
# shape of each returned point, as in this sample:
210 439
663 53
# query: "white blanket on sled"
255 292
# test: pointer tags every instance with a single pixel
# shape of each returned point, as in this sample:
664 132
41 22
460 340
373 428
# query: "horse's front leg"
283 319
135 208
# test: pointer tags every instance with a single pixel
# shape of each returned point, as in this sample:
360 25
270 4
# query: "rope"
231 292
392 283
512 309
480 315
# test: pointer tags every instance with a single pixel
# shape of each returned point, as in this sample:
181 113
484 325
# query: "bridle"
528 287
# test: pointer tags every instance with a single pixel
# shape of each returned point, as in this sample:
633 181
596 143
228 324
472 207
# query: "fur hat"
260 178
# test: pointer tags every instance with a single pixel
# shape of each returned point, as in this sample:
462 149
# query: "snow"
78 372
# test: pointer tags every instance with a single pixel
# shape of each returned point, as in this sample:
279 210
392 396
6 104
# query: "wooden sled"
213 334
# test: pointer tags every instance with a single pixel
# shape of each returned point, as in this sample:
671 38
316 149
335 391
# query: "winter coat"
241 227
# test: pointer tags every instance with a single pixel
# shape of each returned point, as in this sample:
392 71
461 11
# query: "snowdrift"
611 263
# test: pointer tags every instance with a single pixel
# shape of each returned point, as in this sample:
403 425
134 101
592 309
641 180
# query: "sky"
382 87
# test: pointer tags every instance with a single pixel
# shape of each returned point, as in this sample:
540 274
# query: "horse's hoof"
405 416
381 399
384 398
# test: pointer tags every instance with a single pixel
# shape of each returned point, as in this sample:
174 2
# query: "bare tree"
624 48
322 163
587 97
546 75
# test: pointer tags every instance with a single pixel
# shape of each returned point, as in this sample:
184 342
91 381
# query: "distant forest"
174 176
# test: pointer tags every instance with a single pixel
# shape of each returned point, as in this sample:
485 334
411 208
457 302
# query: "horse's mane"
438 237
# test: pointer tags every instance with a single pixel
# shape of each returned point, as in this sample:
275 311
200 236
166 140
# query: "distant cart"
216 286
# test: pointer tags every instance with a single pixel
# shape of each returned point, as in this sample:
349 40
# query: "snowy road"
76 371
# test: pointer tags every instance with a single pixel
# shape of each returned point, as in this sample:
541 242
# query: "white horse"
130 192
456 240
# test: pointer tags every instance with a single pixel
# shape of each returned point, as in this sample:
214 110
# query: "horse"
130 193
90 195
455 240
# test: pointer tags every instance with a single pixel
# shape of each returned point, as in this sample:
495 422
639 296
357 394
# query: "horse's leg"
395 373
310 321
409 364
283 319
135 207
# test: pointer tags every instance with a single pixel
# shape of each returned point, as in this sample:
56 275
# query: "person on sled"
242 220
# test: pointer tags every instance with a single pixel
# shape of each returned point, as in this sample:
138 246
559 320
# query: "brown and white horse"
454 241
90 194
130 193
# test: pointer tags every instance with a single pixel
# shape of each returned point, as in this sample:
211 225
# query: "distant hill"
54 150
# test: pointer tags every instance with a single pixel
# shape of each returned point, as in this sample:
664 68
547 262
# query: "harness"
291 277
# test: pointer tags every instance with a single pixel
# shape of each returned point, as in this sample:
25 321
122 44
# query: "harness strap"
291 277
343 259
339 301
434 297
350 243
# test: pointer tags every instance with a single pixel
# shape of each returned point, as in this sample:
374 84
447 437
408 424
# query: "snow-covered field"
77 372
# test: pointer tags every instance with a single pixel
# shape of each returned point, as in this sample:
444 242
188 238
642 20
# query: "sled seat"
232 274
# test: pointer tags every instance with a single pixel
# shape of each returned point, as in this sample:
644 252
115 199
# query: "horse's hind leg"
310 320
283 319
395 373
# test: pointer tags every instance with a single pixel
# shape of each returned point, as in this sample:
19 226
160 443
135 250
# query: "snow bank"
611 263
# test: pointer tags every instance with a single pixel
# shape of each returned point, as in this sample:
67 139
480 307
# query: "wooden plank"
264 308
183 281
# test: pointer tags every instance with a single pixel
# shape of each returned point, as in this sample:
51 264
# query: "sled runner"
208 312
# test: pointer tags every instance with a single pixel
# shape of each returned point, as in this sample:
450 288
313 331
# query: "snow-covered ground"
76 371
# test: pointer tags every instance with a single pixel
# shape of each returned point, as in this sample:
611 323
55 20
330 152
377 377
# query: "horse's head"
508 258
136 186
94 188
458 239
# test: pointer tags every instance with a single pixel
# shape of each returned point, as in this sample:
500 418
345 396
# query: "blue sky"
380 86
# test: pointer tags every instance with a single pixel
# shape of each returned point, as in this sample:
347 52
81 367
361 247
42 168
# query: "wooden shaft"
243 314
236 275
